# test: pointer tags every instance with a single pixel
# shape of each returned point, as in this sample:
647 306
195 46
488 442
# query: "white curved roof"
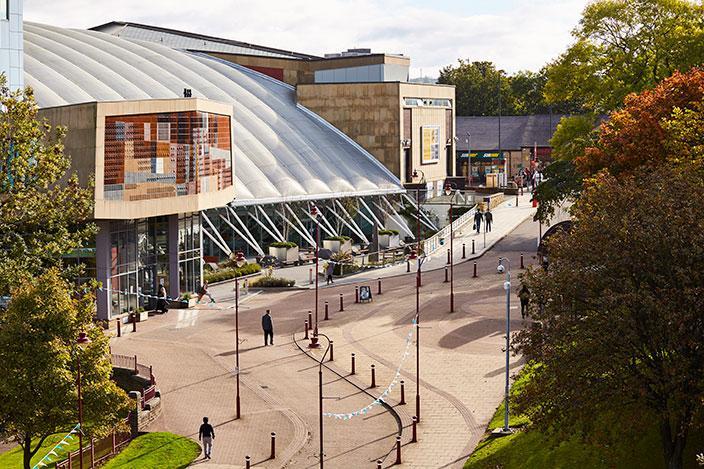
283 152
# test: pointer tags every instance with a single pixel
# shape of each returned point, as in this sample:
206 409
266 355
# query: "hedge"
341 239
388 232
283 244
231 272
268 282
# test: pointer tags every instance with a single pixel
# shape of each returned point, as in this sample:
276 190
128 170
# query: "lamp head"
500 268
314 211
413 256
415 174
448 189
240 260
83 340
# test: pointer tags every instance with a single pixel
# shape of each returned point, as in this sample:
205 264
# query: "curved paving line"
476 430
388 407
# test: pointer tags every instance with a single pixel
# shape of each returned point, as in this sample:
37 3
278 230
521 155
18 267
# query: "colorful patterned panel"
150 156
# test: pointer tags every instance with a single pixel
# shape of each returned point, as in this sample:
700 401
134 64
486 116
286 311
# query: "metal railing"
437 241
97 451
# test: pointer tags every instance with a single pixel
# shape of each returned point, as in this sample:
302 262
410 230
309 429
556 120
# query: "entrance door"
409 164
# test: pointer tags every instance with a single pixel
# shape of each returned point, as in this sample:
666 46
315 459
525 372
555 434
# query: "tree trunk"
673 447
27 452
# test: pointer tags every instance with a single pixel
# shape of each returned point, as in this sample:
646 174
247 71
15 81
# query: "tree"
626 46
618 324
43 209
38 353
477 88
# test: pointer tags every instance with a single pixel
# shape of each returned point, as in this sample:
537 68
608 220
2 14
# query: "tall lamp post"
451 190
320 397
240 260
82 342
507 286
469 159
420 259
314 214
422 180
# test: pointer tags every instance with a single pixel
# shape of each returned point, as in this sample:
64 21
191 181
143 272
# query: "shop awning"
483 155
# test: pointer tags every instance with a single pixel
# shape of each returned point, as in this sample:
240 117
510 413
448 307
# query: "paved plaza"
461 362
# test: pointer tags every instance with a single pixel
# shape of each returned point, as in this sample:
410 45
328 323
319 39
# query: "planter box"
181 304
337 246
284 254
389 241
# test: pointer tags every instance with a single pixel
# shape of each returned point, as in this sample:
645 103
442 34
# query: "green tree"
626 46
477 88
618 313
563 182
38 357
43 209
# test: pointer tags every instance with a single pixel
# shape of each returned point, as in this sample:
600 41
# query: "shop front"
482 168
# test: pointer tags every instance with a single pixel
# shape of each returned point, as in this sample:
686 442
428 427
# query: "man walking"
488 218
328 273
204 292
268 327
206 434
161 304
478 220
524 296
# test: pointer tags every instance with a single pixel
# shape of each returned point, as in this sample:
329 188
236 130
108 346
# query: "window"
5 9
431 102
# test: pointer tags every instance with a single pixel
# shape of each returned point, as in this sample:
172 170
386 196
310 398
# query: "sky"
514 34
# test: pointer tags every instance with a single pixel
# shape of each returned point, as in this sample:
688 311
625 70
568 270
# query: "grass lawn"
13 458
156 450
531 449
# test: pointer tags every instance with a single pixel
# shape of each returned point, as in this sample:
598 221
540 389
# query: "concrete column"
200 243
103 264
173 257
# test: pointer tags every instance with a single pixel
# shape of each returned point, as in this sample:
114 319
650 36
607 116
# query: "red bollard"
535 202
414 436
356 294
448 256
342 305
273 446
398 450
446 277
305 328
403 393
373 376
119 326
475 271
247 462
473 251
464 252
332 357
353 371
522 266
326 312
378 290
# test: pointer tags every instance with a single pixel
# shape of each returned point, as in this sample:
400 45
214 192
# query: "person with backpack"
488 218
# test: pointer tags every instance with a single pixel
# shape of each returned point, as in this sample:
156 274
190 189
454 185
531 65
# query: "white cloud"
525 37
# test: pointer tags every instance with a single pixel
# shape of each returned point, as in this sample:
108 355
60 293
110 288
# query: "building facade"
11 57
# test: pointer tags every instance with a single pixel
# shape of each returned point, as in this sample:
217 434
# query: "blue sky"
515 34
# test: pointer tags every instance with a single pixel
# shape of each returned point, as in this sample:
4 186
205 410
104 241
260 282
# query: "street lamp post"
420 259
320 398
237 343
469 159
507 286
450 190
314 214
82 342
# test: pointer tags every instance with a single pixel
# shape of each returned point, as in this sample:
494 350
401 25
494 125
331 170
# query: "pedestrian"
206 434
204 292
488 218
268 327
329 271
524 296
161 303
478 216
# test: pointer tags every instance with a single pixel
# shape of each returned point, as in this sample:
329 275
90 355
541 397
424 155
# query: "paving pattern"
461 363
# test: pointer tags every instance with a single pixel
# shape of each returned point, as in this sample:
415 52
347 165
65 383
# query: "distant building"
522 139
11 59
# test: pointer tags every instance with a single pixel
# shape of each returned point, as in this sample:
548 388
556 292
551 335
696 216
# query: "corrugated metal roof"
283 152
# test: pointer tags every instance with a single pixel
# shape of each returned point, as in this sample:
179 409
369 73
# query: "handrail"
434 243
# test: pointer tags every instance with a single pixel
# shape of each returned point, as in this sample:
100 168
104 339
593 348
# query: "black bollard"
119 326
353 370
448 256
310 320
403 393
326 312
356 294
475 271
273 446
332 357
373 376
464 251
398 450
342 305
473 252
522 266
414 436
378 290
305 328
446 277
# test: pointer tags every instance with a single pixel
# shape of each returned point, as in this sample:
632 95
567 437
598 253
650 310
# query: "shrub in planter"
283 244
231 272
272 282
338 243
388 239
284 251
388 232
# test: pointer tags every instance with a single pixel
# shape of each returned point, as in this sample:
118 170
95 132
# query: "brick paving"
461 367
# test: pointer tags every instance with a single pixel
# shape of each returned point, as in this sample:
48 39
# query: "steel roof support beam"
280 236
358 233
222 245
351 220
398 218
264 227
303 233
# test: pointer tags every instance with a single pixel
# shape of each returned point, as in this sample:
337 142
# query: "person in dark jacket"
328 273
206 434
268 327
524 296
488 218
161 305
478 216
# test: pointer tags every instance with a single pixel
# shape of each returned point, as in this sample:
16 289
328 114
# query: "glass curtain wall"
189 252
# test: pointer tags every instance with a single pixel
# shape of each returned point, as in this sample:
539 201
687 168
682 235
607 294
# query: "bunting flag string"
382 397
47 459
